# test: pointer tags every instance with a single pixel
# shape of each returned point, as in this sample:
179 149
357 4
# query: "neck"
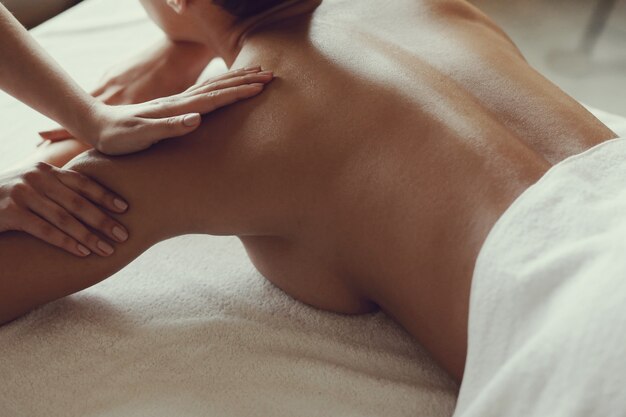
232 39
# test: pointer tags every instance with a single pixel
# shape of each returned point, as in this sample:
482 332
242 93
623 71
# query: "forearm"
28 73
34 273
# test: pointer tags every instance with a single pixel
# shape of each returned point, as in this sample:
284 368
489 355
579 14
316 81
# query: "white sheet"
190 328
548 305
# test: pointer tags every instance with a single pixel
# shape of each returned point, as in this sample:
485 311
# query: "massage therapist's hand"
59 206
117 130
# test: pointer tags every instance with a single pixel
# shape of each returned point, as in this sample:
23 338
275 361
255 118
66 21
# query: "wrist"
89 123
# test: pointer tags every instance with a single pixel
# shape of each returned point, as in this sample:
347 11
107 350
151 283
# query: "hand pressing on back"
63 208
117 130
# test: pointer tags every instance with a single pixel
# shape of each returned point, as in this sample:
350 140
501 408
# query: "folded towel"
548 304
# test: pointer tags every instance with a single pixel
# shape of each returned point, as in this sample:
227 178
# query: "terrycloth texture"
548 305
190 329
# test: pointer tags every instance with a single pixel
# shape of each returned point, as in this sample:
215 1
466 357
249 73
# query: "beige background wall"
549 33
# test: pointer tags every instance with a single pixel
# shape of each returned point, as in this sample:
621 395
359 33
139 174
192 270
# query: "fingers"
99 91
76 195
160 122
68 226
85 211
155 130
223 97
230 74
54 205
262 77
236 73
169 127
91 190
43 230
55 135
208 102
134 128
209 97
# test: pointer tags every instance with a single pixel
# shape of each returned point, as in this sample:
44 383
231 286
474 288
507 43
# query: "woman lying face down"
366 176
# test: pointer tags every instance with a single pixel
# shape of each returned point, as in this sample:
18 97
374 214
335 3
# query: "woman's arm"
33 77
38 201
28 73
165 69
58 206
218 181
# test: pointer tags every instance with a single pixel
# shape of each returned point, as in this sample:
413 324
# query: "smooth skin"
367 176
61 206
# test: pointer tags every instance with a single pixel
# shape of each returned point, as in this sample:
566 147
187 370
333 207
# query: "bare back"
405 133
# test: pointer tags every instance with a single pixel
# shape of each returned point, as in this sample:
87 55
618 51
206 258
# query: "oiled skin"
368 174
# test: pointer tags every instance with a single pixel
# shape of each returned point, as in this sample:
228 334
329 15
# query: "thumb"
55 135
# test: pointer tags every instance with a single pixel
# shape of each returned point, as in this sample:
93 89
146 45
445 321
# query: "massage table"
190 328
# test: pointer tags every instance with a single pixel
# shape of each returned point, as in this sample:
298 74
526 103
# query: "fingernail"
191 120
120 233
84 250
105 247
122 205
250 69
266 73
257 85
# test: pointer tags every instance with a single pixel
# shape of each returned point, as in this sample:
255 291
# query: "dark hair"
245 8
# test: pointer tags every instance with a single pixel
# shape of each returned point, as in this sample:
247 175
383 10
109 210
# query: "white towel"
548 304
190 329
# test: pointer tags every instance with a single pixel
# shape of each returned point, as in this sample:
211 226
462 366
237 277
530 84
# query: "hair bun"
245 8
